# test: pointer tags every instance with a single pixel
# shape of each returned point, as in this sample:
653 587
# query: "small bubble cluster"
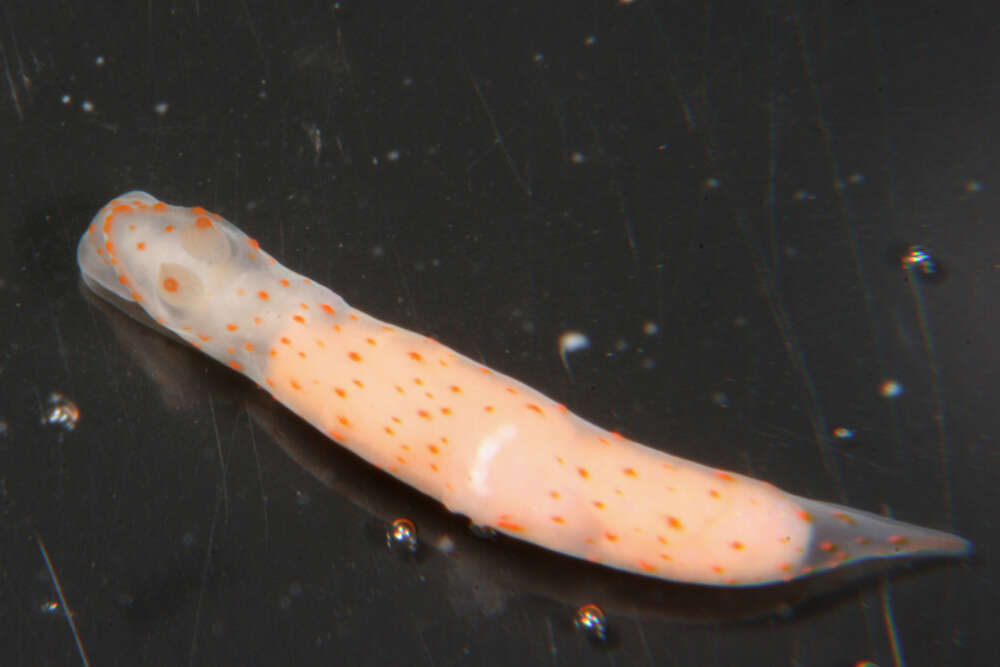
402 534
61 412
590 620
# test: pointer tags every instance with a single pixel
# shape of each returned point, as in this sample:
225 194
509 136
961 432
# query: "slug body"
482 443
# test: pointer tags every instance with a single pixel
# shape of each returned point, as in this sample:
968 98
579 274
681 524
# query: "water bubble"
590 620
402 534
61 411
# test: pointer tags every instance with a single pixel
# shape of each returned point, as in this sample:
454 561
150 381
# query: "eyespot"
179 286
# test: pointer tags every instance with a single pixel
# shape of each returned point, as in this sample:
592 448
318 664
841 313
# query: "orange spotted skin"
484 444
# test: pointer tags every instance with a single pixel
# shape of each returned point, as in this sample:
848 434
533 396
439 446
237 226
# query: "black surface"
747 181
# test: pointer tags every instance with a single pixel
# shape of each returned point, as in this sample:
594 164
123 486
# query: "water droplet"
590 620
402 534
61 411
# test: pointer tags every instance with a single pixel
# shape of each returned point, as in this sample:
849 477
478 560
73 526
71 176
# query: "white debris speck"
890 389
650 328
569 342
66 98
87 106
99 61
161 108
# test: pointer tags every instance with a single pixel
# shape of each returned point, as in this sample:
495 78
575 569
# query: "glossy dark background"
495 174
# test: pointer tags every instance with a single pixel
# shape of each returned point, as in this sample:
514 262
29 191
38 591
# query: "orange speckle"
610 537
598 504
253 244
389 431
739 546
202 222
110 247
418 382
295 384
554 495
647 567
235 365
785 567
257 320
630 472
123 279
303 306
141 245
232 327
204 337
230 350
269 381
169 228
511 390
340 392
434 467
122 208
603 441
455 389
248 347
713 493
488 408
273 352
354 356
446 411
535 408
843 517
433 449
344 421
284 282
358 383
424 414
725 476
674 523
299 319
285 340
583 473
662 540
717 569
558 519
897 540
804 515
263 295
510 525
415 356
159 207
328 309
827 546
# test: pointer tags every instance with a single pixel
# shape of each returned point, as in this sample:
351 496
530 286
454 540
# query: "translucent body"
484 444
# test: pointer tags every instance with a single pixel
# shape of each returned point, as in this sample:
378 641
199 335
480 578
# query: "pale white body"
484 444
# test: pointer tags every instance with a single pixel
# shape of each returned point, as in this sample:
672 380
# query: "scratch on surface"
222 459
498 137
260 480
62 600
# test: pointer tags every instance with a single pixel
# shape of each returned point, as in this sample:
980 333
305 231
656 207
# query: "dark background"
495 174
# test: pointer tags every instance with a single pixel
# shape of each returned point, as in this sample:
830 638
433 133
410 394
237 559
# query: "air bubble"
590 620
402 534
919 260
61 412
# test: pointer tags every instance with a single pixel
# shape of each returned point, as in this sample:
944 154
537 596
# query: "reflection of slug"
482 443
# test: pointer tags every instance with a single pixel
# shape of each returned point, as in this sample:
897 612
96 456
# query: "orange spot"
804 515
159 207
204 337
785 567
433 449
202 222
583 473
340 392
897 540
253 244
446 411
299 319
123 208
647 567
737 545
554 495
455 389
286 340
603 441
141 245
610 537
488 408
558 519
511 390
230 350
424 414
354 356
269 382
510 525
358 383
725 476
665 557
717 569
123 279
169 228
248 347
535 408
843 517
434 467
662 540
674 523
235 365
827 546
327 308
630 472
344 421
598 504
389 431
713 493
273 352
415 356
295 384
110 247
257 320
232 327
284 282
263 295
